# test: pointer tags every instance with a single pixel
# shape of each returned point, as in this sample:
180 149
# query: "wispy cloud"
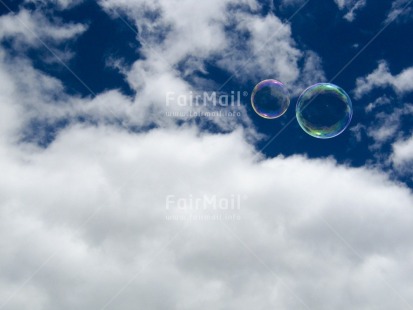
401 10
351 7
381 77
402 156
29 27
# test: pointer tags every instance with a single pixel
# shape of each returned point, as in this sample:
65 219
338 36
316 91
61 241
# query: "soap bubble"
270 99
324 110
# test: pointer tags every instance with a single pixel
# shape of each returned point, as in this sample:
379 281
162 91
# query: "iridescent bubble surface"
270 99
324 110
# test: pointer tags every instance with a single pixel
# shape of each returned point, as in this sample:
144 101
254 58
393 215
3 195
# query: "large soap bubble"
270 99
324 110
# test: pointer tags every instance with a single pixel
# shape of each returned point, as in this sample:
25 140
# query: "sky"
119 192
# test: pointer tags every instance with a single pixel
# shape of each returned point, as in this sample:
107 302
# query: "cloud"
391 113
401 11
382 77
174 31
402 155
284 243
27 28
351 6
387 125
45 102
357 131
270 52
227 34
379 102
177 44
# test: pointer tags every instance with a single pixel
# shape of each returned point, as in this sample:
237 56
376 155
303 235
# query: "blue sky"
100 179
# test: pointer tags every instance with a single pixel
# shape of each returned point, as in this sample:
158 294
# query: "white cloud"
357 131
387 126
381 101
401 10
176 30
178 39
351 6
270 52
49 193
382 77
8 112
43 98
402 156
340 3
215 33
31 28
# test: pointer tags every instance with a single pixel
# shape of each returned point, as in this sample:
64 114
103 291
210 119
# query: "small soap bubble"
324 110
270 99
